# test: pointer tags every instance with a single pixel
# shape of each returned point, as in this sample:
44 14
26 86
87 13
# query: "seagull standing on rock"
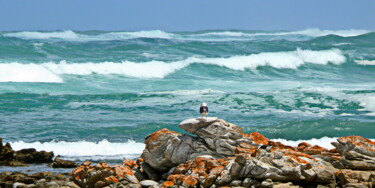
203 110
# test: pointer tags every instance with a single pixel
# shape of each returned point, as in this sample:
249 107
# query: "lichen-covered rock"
346 177
358 153
215 137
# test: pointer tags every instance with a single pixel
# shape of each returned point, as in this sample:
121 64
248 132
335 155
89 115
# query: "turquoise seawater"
72 91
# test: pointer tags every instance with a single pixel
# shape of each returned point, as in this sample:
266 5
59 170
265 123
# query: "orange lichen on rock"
103 165
177 178
296 153
359 141
153 137
130 163
279 145
257 138
301 146
251 151
167 184
190 181
86 163
111 179
122 170
311 150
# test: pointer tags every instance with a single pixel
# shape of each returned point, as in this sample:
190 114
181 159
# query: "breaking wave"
49 72
307 32
323 142
17 72
85 148
69 35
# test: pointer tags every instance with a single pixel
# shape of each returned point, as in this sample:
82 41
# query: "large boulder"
214 137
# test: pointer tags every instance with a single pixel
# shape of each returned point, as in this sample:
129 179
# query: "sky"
186 15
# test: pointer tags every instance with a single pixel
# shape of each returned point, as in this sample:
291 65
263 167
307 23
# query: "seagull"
203 110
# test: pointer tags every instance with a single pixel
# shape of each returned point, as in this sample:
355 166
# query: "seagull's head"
204 104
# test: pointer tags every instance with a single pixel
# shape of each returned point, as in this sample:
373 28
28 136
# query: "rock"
71 184
133 185
285 185
32 156
149 183
216 137
150 172
60 163
346 177
311 150
358 153
236 183
19 185
192 125
267 183
157 144
219 154
87 175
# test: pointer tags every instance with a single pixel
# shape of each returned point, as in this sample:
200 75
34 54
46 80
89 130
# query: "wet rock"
60 163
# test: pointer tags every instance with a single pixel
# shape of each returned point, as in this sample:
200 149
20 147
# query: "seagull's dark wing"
203 109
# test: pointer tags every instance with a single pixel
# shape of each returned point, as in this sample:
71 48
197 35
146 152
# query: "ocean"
95 95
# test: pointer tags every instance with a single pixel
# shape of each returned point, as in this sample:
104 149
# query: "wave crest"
69 35
49 72
84 148
205 36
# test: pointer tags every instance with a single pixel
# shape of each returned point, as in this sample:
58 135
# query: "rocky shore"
215 153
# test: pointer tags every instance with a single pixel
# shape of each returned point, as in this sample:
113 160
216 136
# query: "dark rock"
60 163
30 155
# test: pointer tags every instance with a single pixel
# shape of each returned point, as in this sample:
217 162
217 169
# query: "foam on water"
223 35
68 35
365 62
85 148
105 150
17 72
308 32
323 142
48 72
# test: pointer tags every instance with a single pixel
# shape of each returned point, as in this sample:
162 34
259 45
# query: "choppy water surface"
69 91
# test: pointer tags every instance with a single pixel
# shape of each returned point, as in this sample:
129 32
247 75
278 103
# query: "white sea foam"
104 149
307 32
17 72
217 35
73 36
324 141
69 35
49 72
85 148
365 62
187 92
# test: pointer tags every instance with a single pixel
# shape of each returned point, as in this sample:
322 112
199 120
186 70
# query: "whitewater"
95 95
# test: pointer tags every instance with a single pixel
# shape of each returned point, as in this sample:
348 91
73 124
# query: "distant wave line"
51 71
70 35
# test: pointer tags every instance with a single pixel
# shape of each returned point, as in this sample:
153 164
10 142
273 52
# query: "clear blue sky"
186 15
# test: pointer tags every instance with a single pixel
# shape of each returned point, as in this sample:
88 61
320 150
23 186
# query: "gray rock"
149 183
267 183
192 125
19 185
